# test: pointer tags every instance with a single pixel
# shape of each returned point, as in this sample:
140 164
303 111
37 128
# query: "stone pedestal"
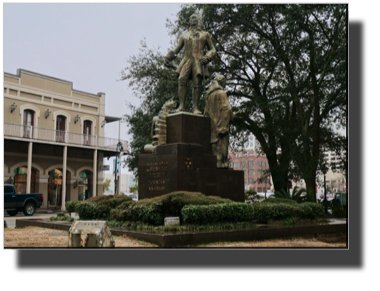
186 163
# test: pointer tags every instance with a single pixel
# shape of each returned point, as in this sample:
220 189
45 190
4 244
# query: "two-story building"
54 139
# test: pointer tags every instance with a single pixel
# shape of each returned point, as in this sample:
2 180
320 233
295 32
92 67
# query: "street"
11 220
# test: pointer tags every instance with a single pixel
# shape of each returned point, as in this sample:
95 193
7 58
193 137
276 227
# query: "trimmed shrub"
163 206
71 206
61 218
89 210
279 200
264 212
147 213
218 213
100 207
60 214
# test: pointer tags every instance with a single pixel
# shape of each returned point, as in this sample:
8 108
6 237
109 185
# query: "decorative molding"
29 107
90 118
63 113
59 166
34 165
82 169
79 110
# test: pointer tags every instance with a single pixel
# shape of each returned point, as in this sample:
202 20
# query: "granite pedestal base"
182 165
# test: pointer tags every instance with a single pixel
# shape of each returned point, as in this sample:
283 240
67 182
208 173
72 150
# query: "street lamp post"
119 148
324 171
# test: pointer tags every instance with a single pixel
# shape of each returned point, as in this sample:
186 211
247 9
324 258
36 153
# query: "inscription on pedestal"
155 172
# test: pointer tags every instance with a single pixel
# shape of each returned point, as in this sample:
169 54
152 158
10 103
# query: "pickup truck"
13 202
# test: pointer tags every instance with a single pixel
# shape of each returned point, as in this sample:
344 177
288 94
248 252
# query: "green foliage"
89 210
296 221
264 212
60 214
279 200
154 210
61 218
296 195
206 214
251 195
135 188
71 206
106 184
153 84
99 207
286 70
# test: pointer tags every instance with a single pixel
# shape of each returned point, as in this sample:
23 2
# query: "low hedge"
71 206
264 212
146 213
192 208
279 200
218 213
98 207
240 212
154 210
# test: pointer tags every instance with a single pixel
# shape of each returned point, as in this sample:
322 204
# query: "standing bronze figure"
219 110
193 65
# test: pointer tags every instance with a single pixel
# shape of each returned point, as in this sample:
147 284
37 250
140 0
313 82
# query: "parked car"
27 203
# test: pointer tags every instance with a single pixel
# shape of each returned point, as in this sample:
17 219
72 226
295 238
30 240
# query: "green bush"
61 218
279 200
263 212
150 213
71 206
89 210
218 213
296 195
157 208
99 207
60 214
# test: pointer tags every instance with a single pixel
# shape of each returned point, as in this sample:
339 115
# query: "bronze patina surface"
193 65
218 108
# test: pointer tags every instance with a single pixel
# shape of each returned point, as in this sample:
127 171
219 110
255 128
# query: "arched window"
87 132
20 179
28 122
60 128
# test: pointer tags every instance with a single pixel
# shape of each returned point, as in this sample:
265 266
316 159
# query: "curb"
194 239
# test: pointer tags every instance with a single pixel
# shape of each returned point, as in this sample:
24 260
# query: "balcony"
57 136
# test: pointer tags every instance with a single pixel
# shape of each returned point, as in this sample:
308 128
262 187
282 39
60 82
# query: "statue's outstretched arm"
172 54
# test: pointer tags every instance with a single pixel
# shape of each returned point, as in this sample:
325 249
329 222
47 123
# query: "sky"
86 44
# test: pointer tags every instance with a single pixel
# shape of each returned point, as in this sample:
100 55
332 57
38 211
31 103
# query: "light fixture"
47 113
104 122
76 119
13 107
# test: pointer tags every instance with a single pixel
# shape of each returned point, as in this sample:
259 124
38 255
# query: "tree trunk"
310 188
279 173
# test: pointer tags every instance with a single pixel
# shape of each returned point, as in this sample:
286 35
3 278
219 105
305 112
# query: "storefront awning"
110 119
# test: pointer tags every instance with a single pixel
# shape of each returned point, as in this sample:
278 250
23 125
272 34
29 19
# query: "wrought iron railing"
51 135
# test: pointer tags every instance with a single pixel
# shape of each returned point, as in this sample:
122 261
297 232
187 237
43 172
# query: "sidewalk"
48 210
